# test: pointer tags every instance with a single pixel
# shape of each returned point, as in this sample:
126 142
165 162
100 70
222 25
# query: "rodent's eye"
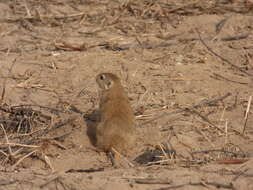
102 77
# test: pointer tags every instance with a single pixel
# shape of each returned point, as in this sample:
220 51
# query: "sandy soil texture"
186 66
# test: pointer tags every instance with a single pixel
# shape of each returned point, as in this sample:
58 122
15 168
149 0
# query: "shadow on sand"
92 121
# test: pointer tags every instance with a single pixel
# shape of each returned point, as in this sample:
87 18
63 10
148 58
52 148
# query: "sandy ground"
51 52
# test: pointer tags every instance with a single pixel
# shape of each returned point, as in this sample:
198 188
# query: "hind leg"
118 157
112 159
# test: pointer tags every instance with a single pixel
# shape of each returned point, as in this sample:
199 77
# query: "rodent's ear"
108 85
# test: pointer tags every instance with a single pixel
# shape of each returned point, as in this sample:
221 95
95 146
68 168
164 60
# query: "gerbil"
116 129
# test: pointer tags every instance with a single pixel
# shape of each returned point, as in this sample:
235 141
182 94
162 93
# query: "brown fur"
117 126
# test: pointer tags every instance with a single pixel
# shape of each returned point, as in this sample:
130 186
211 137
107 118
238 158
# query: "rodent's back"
117 126
116 133
114 101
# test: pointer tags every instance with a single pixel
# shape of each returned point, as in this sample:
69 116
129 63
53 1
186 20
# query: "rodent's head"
106 80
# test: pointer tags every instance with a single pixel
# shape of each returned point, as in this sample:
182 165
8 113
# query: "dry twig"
152 181
222 58
21 159
5 182
220 150
220 25
56 126
219 77
202 183
85 170
43 17
232 161
70 47
204 118
201 104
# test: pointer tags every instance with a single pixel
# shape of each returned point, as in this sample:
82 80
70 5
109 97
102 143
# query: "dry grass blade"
226 132
5 80
18 144
247 114
164 153
27 9
3 153
3 92
7 139
49 181
49 163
